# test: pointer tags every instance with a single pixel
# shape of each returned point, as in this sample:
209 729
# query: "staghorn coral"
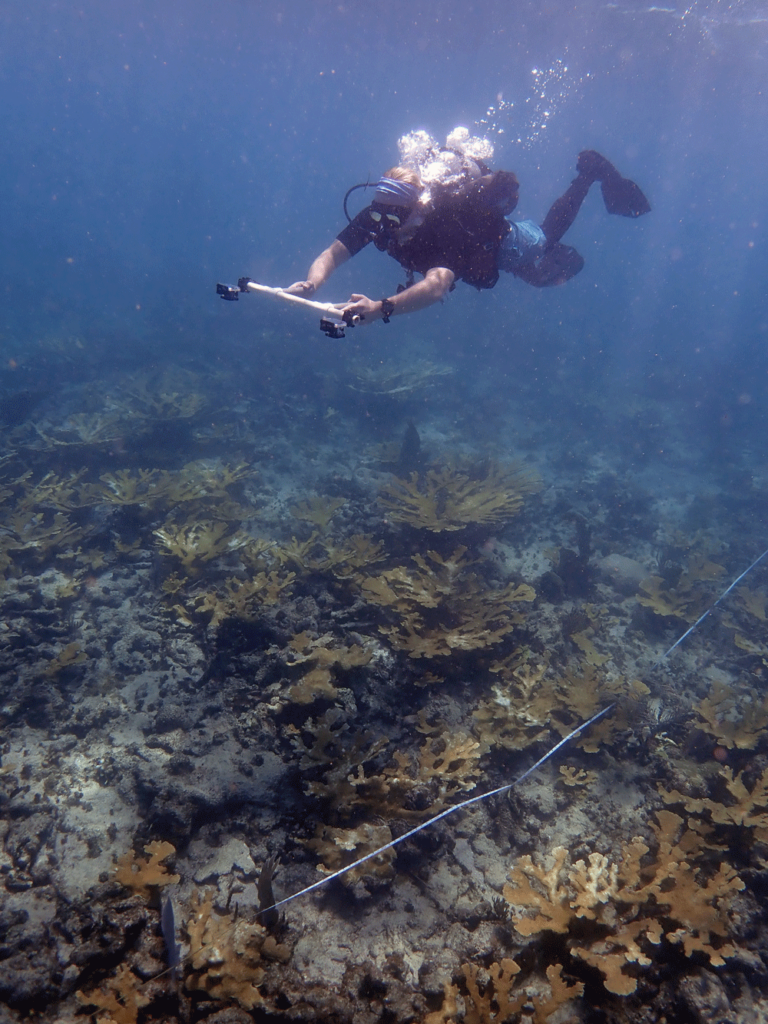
227 956
443 607
629 902
140 874
451 499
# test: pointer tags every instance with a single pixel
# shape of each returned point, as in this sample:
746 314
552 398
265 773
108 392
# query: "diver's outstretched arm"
436 283
620 195
330 259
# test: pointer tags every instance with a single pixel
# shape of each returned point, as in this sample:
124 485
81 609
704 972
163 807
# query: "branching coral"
84 429
167 397
451 499
338 847
318 510
744 808
528 700
731 722
397 379
140 874
687 599
319 555
51 491
227 956
410 786
753 602
122 998
518 713
318 680
492 995
443 607
193 482
38 535
70 655
240 599
199 542
629 903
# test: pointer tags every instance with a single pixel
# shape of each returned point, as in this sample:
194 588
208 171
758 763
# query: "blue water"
151 150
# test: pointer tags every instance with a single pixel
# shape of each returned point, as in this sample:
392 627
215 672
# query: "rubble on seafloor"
237 662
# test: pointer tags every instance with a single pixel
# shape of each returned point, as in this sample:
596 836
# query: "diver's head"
397 194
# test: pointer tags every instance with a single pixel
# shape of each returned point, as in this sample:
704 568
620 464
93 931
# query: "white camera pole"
332 323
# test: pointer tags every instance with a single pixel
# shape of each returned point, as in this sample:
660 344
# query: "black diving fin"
623 196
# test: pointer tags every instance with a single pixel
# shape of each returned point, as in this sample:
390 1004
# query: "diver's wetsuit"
467 230
455 233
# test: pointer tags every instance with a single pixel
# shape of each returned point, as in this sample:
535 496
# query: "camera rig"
333 322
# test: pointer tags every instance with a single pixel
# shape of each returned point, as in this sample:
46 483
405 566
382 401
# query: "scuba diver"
453 225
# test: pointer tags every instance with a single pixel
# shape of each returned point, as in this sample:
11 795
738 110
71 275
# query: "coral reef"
182 673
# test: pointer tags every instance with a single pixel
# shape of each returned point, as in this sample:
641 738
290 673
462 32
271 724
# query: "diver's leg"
563 211
620 195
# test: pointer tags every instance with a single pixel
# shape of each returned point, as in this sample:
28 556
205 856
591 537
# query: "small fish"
168 928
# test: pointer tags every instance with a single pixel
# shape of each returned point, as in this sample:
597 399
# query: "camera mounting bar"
332 323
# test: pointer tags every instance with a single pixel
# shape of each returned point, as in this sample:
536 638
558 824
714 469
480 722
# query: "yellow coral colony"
451 499
632 907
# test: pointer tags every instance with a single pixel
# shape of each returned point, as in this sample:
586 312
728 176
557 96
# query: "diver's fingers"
301 288
354 298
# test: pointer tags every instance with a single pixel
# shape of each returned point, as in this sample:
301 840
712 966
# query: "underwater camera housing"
333 327
228 292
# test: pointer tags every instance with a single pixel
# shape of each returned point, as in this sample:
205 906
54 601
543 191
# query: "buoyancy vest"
462 230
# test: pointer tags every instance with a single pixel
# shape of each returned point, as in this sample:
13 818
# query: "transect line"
711 608
442 814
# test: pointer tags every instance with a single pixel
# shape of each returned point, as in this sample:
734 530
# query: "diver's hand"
303 288
360 305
